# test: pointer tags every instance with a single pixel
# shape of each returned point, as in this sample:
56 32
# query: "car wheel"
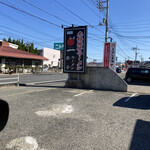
129 80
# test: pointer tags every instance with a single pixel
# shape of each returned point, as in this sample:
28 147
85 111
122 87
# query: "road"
51 117
33 78
122 75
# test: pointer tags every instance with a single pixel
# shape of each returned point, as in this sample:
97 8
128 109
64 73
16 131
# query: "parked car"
118 70
45 69
140 74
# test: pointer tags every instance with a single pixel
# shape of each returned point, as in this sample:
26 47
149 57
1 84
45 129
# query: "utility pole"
136 53
142 59
27 43
106 32
105 20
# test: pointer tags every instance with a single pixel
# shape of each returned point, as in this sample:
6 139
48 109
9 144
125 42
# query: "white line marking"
130 97
42 82
78 94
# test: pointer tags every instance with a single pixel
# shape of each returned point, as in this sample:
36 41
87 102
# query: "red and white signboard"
106 55
110 55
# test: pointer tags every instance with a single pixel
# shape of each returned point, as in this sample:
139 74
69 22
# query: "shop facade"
18 60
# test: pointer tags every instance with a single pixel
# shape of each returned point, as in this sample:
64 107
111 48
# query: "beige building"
53 57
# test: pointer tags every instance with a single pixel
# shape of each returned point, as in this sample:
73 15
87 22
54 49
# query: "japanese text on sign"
75 49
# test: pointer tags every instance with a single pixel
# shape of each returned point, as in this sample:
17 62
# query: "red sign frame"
106 55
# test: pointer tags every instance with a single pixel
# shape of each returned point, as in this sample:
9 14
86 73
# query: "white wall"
13 45
3 65
53 57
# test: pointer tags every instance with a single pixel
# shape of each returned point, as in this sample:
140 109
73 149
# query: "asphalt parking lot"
51 117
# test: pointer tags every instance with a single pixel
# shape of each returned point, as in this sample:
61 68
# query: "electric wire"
76 15
34 16
90 8
45 11
25 25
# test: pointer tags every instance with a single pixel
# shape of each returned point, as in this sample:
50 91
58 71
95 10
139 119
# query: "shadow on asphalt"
137 102
141 136
50 86
139 83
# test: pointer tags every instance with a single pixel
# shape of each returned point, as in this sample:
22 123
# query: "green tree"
31 48
23 46
36 51
9 40
17 42
4 39
14 42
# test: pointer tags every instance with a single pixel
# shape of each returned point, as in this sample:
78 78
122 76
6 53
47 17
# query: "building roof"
7 51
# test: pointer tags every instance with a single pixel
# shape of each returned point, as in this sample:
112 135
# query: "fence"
9 79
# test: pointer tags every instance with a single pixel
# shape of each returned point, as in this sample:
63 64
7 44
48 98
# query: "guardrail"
9 79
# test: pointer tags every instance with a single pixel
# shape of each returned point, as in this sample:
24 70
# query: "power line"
116 30
20 10
72 12
135 31
23 33
135 40
134 21
25 25
106 15
123 42
122 51
75 15
93 3
133 37
21 37
45 11
133 27
90 8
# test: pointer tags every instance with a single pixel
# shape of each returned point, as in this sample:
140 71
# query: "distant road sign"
59 46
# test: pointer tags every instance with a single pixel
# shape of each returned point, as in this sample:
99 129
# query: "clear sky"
40 21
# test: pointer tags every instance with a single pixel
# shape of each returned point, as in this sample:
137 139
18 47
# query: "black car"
4 113
118 70
140 74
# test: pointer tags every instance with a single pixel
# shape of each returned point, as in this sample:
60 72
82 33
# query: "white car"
45 69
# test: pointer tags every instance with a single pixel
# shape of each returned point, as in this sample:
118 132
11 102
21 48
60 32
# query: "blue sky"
129 24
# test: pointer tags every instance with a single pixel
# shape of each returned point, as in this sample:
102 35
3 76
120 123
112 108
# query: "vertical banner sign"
75 41
110 55
106 55
112 59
